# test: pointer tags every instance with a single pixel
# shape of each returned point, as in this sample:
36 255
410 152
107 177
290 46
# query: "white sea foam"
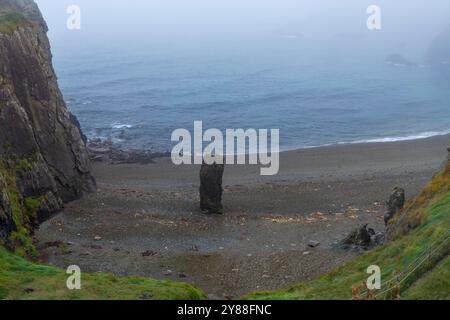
418 136
121 126
422 135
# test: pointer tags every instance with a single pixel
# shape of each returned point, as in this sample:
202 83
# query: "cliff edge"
43 158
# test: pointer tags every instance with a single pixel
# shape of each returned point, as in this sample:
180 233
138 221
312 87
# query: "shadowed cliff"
43 158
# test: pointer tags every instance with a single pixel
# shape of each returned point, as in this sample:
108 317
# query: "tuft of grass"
21 279
424 221
10 21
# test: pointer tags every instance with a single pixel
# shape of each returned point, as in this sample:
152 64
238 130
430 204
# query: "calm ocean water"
138 96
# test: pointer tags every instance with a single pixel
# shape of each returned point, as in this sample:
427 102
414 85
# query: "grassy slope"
429 213
17 276
433 286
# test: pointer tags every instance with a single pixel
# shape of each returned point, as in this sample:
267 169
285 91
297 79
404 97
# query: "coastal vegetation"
10 21
22 279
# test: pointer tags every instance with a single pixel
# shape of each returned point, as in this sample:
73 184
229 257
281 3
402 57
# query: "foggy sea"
138 98
320 81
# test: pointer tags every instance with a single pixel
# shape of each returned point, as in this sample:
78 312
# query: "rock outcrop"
43 158
413 214
362 238
395 203
439 51
211 188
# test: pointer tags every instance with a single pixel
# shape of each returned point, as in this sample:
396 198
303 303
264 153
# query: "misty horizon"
201 25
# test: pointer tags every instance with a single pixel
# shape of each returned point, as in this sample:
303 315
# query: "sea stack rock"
43 158
211 188
395 204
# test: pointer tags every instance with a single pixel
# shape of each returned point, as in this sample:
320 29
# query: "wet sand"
144 219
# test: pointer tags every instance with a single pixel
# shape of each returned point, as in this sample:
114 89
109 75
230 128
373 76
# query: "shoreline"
315 164
97 146
144 156
147 221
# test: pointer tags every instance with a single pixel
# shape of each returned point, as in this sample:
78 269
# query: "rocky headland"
44 162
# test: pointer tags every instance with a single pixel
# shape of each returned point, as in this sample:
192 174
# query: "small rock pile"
363 238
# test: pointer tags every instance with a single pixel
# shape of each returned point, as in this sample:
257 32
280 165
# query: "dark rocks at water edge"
211 188
43 158
107 151
395 203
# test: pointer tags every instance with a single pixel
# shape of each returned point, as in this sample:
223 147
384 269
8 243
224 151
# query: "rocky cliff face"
43 158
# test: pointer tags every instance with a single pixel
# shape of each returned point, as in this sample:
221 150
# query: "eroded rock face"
211 188
395 204
43 157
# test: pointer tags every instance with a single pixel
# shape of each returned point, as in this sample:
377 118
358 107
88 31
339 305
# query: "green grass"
425 220
433 286
10 21
23 210
19 276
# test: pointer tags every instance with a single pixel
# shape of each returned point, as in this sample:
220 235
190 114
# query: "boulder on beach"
211 188
395 204
360 237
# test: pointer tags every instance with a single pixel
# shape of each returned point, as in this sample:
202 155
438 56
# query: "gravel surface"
144 219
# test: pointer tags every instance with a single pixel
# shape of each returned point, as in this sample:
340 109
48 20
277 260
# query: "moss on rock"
10 21
22 213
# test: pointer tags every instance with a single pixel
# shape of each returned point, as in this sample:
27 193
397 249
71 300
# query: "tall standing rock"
211 188
395 204
43 158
